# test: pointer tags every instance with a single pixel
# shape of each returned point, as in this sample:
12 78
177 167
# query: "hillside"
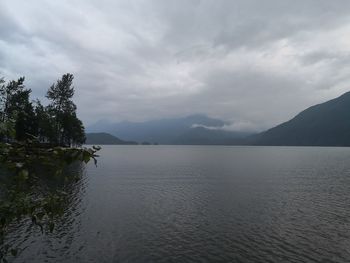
170 131
103 138
326 124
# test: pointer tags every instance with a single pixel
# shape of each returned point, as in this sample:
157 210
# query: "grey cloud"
338 59
246 23
254 63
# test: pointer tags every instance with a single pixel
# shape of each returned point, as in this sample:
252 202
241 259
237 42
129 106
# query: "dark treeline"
36 147
56 123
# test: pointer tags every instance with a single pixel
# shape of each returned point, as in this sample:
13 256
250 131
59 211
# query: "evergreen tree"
45 132
2 99
2 113
56 124
26 123
14 104
68 128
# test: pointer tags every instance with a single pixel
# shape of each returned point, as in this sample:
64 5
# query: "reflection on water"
206 204
27 236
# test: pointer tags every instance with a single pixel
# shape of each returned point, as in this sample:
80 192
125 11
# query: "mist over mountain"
205 136
325 124
193 129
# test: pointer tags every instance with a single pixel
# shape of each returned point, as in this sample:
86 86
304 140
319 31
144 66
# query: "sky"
252 63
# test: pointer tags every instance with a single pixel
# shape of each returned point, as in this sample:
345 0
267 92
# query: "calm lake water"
202 204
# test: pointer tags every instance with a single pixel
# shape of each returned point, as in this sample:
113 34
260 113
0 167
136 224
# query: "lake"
202 204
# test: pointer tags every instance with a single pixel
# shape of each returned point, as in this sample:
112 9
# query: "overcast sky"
251 62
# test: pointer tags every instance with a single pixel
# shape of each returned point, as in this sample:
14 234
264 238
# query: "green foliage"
27 163
35 144
14 101
45 132
56 123
69 130
26 123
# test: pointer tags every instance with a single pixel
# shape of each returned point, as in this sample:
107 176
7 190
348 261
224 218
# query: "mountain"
105 138
326 124
194 129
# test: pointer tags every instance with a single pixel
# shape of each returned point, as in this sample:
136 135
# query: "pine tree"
26 124
14 103
63 111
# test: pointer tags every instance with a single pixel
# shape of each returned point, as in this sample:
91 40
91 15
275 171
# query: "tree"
45 132
14 104
26 124
2 113
57 123
74 132
68 128
2 99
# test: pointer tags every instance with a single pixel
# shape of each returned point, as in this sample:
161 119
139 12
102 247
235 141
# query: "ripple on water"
202 204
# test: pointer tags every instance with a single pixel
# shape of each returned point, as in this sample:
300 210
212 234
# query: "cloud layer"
251 62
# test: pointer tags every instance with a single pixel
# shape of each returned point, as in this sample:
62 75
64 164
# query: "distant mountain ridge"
103 138
171 131
325 124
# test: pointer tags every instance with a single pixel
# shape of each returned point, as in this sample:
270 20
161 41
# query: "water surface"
202 204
